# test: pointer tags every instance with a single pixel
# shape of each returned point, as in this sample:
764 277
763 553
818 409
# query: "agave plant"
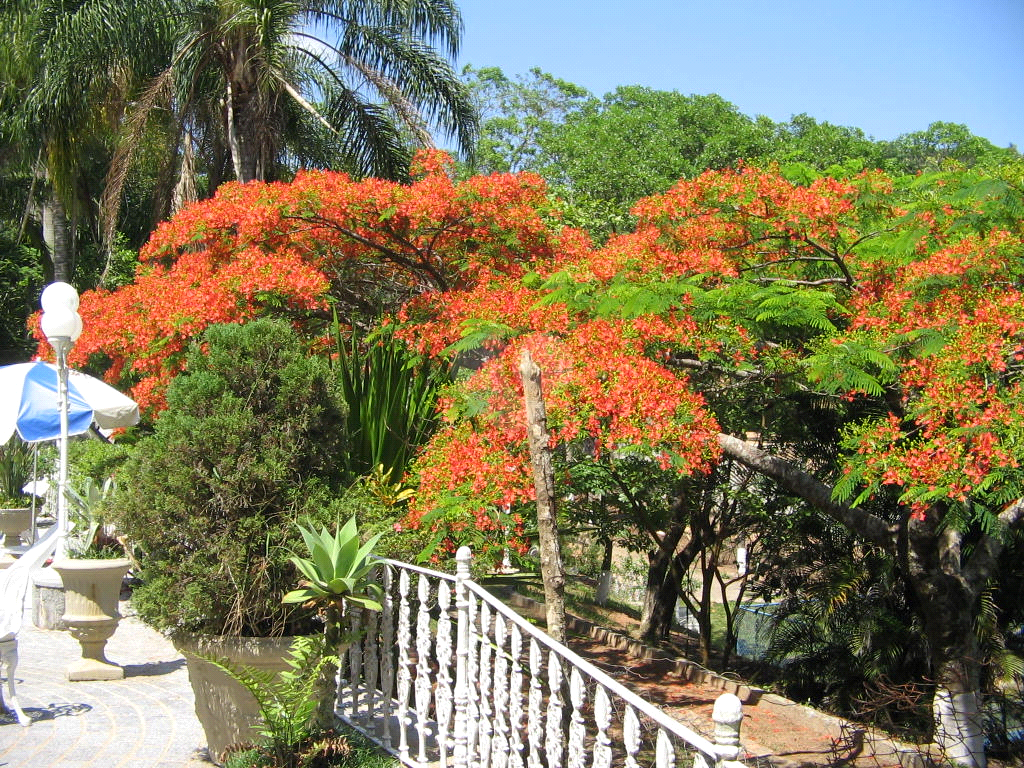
91 538
338 569
336 572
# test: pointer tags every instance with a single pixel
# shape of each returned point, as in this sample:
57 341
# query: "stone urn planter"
12 523
91 592
226 710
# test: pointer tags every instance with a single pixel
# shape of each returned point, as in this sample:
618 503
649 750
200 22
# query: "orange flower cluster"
291 249
735 272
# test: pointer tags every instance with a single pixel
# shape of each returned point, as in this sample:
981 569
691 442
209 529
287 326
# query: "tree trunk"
185 189
57 236
655 618
709 568
946 580
948 604
551 569
956 662
604 584
242 133
659 606
666 571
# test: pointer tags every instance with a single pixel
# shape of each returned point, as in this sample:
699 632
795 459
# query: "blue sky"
885 67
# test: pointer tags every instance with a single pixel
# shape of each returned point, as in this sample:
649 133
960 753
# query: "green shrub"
96 459
249 444
373 504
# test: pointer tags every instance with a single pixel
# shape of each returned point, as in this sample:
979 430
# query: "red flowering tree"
301 249
744 303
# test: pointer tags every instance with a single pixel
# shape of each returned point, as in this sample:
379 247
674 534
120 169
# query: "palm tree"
44 157
259 87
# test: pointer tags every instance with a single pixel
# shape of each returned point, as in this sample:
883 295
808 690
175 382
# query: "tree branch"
982 562
811 490
791 281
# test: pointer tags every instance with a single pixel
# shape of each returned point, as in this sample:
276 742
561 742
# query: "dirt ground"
775 730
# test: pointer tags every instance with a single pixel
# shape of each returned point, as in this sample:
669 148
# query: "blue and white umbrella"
28 403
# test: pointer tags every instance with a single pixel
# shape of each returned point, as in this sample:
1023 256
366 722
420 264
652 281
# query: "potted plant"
15 504
247 446
92 572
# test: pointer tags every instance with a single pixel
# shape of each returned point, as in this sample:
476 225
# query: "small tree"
247 447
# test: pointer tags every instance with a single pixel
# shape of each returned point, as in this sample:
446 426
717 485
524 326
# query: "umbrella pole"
35 487
61 348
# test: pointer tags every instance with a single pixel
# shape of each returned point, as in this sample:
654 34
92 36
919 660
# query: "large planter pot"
12 523
225 709
91 592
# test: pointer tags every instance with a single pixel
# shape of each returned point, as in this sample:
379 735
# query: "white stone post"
727 714
460 745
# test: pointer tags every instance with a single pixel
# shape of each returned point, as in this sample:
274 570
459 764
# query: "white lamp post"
61 325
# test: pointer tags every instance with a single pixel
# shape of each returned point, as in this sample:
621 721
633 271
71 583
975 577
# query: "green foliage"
823 148
942 146
377 503
92 464
845 629
338 568
517 114
15 472
391 395
641 141
21 280
621 498
88 539
96 458
343 748
287 700
247 447
850 366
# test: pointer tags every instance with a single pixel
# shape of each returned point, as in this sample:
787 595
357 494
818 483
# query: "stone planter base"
91 591
48 600
92 636
225 709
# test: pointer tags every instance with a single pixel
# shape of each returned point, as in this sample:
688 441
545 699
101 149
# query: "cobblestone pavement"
146 720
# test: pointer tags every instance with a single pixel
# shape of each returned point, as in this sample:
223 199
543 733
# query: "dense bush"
249 445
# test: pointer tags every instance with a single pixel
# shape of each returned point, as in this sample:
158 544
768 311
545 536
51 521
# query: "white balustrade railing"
447 675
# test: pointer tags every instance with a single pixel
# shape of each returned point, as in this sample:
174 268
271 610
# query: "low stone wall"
684 668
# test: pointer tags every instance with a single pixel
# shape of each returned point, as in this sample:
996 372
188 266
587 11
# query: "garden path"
775 731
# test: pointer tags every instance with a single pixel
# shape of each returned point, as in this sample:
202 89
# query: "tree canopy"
896 305
747 316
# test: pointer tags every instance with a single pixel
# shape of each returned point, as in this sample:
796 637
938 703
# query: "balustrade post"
460 743
727 715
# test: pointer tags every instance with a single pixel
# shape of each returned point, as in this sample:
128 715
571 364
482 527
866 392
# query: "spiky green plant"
337 571
15 471
392 396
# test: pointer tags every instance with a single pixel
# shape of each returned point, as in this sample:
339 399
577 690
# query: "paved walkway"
146 720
